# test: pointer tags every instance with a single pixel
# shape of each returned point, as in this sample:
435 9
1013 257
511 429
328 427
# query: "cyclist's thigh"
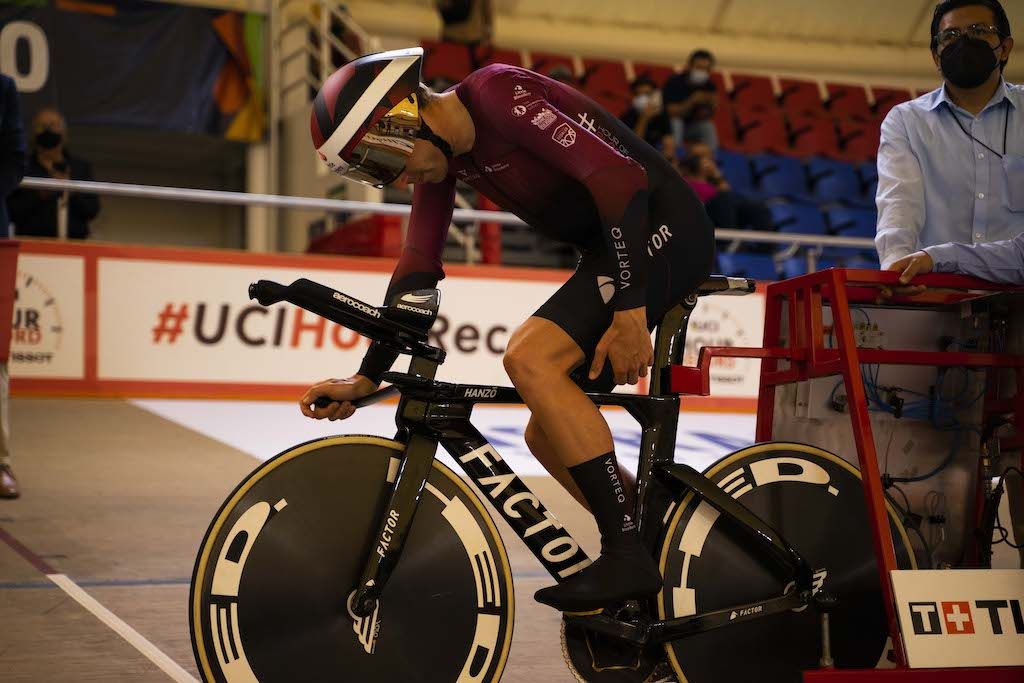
680 251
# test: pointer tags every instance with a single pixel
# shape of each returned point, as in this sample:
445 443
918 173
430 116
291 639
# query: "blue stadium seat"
779 176
798 218
834 181
868 173
736 169
794 266
757 266
852 222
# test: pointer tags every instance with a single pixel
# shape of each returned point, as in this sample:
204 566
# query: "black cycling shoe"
616 576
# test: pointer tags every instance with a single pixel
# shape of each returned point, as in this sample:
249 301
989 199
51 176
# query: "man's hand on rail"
909 266
341 391
917 263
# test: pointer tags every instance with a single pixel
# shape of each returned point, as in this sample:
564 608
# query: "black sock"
602 486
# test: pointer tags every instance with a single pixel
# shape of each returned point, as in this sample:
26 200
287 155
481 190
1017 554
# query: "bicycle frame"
431 412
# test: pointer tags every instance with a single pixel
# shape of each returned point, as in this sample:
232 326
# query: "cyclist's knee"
521 362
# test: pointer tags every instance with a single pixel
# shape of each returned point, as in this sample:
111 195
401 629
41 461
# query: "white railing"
183 194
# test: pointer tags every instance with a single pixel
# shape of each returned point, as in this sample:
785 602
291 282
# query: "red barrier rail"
802 346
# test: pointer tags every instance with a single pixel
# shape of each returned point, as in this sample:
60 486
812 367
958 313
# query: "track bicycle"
365 559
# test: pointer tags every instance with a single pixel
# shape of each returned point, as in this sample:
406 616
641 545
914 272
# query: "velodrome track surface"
117 496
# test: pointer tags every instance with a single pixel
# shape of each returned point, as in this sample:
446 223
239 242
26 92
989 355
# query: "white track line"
134 638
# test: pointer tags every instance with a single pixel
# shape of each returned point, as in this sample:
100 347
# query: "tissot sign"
961 617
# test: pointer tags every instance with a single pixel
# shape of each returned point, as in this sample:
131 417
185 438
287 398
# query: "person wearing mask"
690 101
12 168
645 115
951 163
38 213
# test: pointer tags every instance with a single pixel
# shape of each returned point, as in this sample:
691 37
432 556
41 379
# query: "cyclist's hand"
341 391
627 346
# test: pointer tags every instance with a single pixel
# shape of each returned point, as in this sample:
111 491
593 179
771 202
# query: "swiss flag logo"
957 616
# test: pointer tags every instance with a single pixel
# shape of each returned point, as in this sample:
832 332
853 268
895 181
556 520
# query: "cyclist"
571 170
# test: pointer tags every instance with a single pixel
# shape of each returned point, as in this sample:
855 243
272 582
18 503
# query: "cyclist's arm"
617 184
419 266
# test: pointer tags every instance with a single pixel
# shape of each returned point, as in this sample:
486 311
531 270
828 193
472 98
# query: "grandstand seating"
798 218
777 176
736 169
762 131
811 158
800 97
835 181
757 266
852 222
848 101
752 93
658 73
887 98
810 134
605 82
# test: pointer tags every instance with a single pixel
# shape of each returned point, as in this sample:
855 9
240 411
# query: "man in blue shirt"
951 163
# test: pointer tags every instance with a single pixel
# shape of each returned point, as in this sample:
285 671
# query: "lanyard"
1006 127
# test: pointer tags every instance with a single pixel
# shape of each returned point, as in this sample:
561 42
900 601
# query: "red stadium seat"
492 55
450 61
887 98
763 131
858 140
656 72
812 135
725 124
848 101
605 82
752 93
543 63
801 97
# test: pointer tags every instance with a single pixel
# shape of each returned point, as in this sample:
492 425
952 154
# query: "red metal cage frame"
802 345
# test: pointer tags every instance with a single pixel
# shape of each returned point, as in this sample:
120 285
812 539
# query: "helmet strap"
425 133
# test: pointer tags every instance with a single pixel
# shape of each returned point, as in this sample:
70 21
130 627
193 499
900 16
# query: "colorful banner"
135 64
136 321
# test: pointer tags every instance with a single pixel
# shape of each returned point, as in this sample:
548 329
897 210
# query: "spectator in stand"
951 163
645 115
37 213
12 168
470 22
726 208
690 101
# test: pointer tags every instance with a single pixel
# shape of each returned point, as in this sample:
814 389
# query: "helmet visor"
379 158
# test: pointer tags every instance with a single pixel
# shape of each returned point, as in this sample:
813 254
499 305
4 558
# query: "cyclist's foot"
617 575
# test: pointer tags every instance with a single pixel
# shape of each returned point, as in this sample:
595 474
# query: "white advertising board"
168 321
961 617
48 327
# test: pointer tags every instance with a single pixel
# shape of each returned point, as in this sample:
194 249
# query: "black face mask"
968 62
48 139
